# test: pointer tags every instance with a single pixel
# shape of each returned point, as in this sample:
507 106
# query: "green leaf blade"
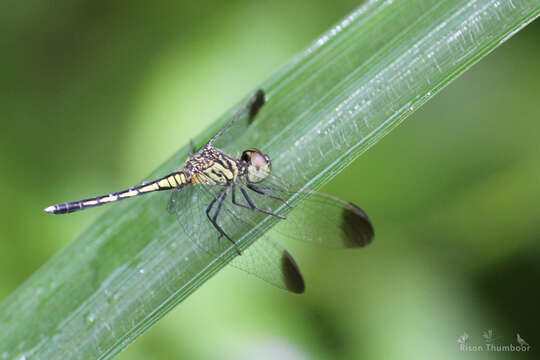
331 103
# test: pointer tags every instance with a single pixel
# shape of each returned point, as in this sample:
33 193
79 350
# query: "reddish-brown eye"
258 160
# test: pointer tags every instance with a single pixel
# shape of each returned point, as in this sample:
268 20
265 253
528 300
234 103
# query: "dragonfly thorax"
212 167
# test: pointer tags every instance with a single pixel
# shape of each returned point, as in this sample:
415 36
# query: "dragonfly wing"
267 260
328 221
321 218
174 202
240 121
189 205
264 259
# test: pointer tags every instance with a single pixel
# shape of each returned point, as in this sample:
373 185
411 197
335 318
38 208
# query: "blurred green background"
95 95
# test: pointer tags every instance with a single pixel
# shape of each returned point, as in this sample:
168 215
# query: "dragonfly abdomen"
175 180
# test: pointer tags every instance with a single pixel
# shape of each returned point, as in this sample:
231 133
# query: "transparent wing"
240 122
320 218
328 221
265 258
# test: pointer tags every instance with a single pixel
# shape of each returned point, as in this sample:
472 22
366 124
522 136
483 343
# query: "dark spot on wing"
291 274
257 101
356 227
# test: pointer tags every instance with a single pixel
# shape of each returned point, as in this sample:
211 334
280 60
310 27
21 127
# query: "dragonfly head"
258 165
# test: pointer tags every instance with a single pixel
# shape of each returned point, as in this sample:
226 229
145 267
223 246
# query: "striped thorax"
212 167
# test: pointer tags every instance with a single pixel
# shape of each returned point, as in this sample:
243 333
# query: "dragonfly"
231 197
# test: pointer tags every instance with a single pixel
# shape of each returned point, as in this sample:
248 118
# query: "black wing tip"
360 229
259 94
257 101
292 276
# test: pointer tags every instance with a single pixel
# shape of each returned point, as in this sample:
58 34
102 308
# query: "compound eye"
246 155
259 160
259 166
268 162
251 155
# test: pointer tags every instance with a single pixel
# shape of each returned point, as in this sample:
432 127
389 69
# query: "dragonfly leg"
220 197
191 147
260 190
234 199
251 204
